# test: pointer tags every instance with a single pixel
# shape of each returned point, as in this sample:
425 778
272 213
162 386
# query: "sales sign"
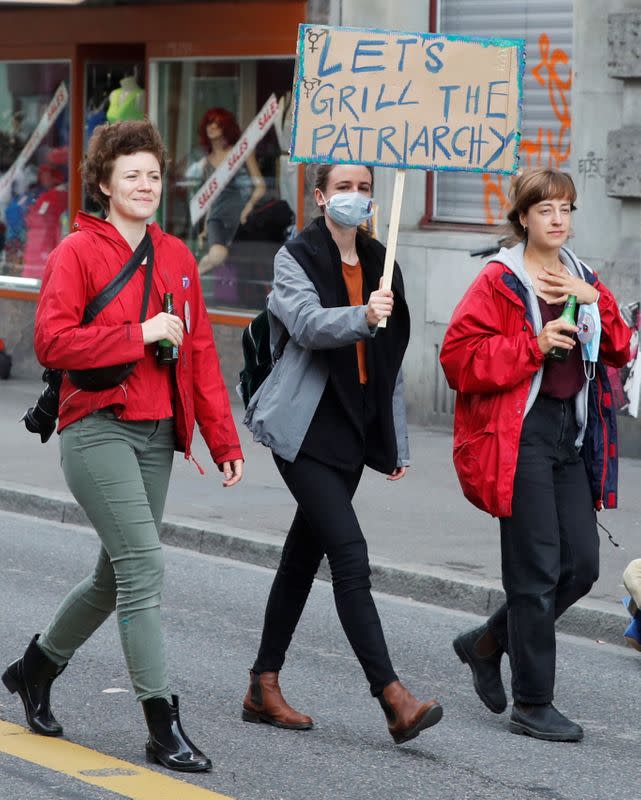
240 152
407 100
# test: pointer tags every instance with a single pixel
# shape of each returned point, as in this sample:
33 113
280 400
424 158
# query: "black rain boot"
31 676
545 722
486 668
168 744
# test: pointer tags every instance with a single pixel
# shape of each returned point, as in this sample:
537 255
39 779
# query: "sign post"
407 101
392 234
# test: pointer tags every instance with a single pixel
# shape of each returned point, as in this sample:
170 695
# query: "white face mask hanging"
589 324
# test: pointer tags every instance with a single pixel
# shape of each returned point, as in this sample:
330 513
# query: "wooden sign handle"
392 236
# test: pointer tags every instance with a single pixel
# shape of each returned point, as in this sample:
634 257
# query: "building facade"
65 70
175 61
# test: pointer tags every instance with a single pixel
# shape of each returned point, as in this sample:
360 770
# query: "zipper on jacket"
190 457
605 442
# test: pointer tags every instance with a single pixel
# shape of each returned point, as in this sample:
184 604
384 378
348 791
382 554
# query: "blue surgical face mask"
349 208
589 323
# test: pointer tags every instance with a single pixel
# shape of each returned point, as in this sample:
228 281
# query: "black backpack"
257 355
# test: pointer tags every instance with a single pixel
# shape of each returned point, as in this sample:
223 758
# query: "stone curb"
590 619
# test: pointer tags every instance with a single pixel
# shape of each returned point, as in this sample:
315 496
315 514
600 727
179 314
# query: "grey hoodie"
512 257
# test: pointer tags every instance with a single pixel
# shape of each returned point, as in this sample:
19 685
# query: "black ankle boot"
168 744
486 670
31 676
544 722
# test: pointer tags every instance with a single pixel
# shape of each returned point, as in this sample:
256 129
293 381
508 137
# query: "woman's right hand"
163 326
379 306
554 335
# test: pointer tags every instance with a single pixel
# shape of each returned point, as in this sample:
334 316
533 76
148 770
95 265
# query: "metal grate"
442 396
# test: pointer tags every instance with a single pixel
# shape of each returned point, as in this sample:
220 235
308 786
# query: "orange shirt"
353 277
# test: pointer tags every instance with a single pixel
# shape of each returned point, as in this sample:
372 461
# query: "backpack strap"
280 345
144 250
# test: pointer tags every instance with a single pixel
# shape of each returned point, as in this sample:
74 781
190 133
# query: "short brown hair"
107 142
322 173
533 186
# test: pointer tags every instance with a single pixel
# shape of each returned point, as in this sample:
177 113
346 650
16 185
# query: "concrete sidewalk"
426 541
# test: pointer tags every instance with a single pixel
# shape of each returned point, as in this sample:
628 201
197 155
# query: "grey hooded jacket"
281 410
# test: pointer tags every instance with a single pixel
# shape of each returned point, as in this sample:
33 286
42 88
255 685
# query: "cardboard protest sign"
239 153
407 100
50 115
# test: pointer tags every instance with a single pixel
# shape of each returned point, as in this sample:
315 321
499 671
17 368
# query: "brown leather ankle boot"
264 702
407 716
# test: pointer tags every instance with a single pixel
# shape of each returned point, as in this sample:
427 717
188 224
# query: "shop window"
201 107
34 166
114 91
546 25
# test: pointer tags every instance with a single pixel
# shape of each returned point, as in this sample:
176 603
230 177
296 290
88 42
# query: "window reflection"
202 110
34 164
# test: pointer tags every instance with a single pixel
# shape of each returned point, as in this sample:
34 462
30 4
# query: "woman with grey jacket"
332 405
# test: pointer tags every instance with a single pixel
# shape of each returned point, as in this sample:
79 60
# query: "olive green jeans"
119 473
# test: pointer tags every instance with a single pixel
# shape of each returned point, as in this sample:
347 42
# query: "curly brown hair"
109 141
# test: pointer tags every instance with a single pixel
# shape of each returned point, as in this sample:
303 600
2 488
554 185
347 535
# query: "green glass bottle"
167 352
569 315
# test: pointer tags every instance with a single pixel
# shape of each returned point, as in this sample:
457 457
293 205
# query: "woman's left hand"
232 470
559 285
399 472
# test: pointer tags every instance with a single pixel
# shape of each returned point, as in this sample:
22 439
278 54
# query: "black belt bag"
99 378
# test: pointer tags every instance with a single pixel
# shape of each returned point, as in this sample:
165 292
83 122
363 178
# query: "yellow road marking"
89 766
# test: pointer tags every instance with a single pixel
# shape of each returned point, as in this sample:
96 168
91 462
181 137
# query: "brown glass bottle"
167 352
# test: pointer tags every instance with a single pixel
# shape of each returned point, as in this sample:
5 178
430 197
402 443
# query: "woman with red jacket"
117 444
535 440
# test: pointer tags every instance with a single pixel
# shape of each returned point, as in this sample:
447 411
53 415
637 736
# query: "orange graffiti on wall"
556 139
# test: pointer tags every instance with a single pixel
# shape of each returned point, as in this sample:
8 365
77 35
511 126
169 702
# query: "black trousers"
325 524
549 547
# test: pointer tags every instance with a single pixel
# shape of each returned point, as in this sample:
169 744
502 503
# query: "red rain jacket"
490 354
77 270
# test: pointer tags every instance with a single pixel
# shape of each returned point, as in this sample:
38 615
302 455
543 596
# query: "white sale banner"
51 114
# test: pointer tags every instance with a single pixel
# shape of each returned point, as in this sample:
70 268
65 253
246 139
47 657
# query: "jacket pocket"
475 462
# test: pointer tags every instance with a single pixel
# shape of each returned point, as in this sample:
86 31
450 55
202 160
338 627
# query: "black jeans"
325 523
549 547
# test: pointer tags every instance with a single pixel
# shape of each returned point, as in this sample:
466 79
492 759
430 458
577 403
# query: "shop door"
114 78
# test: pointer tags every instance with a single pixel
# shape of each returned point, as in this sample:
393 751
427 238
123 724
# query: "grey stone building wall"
606 96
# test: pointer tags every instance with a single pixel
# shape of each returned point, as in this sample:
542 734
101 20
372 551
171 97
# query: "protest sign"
407 100
239 153
50 115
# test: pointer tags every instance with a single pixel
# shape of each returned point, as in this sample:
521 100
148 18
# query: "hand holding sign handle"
392 236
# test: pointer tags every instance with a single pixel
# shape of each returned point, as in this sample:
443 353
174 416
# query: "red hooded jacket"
490 355
77 270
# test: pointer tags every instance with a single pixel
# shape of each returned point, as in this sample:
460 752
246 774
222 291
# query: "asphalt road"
213 613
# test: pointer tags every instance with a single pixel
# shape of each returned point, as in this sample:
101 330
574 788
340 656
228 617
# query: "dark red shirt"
561 379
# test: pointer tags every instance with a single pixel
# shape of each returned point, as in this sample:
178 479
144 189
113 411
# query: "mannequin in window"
127 102
219 132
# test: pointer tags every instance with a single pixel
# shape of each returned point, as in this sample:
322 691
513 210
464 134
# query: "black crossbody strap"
101 300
